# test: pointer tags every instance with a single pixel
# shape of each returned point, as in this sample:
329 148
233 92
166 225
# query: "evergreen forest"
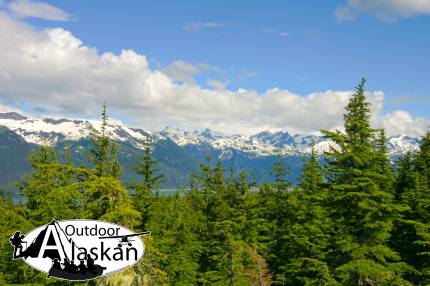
354 218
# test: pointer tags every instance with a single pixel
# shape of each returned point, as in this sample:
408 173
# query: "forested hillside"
356 219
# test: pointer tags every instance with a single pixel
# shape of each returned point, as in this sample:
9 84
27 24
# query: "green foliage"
13 218
106 199
227 228
362 204
146 167
412 235
102 153
175 225
279 174
45 188
55 189
355 220
307 234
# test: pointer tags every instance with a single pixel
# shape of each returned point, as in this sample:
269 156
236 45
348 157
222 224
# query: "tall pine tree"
103 151
146 167
308 232
412 235
362 211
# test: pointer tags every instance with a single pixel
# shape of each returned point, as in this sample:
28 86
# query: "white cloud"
401 122
54 70
27 8
217 84
197 26
186 72
387 10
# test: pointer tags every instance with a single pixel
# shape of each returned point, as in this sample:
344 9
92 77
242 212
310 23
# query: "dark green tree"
175 225
308 232
382 162
412 234
275 214
103 151
146 167
14 217
362 212
44 189
279 173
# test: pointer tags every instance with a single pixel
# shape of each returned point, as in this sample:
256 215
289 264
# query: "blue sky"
319 53
299 46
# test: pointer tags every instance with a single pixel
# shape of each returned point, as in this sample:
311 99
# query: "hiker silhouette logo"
78 249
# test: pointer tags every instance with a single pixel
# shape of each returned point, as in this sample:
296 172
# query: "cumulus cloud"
27 8
217 84
53 70
387 10
186 72
401 122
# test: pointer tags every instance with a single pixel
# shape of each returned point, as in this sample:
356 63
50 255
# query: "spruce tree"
275 214
153 270
279 174
45 189
146 167
306 246
404 234
175 230
233 255
15 217
382 163
104 197
405 179
38 184
312 180
412 237
362 212
103 151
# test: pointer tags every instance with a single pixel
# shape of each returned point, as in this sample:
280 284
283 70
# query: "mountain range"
179 151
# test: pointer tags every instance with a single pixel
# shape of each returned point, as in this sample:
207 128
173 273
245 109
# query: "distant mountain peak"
268 143
52 130
12 116
265 143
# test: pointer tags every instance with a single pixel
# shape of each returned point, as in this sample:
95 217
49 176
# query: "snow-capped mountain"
179 152
401 144
268 143
51 131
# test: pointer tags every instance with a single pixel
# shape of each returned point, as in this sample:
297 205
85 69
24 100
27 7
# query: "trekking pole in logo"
16 241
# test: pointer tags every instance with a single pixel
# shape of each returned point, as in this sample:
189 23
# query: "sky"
231 66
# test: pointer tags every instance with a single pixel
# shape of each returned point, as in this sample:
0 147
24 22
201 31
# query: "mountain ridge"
51 131
178 151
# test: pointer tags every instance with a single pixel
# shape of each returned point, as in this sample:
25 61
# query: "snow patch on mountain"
268 143
402 144
50 131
